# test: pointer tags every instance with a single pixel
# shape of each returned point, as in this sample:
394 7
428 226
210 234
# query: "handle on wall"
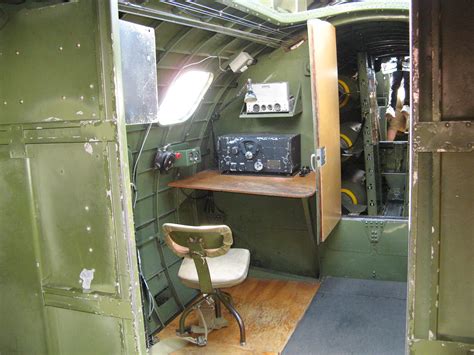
318 159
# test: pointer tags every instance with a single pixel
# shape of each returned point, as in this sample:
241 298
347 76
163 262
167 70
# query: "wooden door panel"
325 99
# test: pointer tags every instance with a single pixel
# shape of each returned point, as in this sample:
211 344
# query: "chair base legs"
218 296
226 299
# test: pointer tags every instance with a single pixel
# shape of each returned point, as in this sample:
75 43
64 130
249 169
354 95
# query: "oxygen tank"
353 192
348 93
350 144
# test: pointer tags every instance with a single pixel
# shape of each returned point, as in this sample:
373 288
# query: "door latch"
318 159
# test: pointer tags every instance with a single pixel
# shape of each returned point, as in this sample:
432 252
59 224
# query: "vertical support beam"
370 130
308 216
440 253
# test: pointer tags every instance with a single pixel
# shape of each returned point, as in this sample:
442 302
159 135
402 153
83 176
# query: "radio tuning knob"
258 165
249 155
235 150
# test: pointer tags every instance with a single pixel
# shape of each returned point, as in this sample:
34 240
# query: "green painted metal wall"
272 228
367 248
64 191
441 263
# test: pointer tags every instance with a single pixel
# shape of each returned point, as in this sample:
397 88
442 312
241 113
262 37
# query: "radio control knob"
258 165
277 107
235 150
249 155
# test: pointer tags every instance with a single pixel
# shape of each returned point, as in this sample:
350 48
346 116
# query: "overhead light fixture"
241 63
250 96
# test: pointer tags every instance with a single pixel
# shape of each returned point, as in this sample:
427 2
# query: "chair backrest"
198 243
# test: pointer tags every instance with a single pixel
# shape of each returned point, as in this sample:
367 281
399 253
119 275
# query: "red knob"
178 155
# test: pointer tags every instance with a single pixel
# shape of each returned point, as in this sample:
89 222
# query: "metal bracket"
374 230
17 143
441 137
318 159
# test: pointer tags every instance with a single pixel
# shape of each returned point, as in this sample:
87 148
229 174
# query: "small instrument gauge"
256 108
277 107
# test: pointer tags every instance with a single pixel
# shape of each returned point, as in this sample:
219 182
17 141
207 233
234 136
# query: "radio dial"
277 107
256 108
249 155
258 165
235 150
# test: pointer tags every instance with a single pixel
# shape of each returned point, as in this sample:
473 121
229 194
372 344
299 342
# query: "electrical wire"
214 13
135 166
201 61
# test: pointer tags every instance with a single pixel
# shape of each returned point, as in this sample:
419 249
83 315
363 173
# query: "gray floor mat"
349 316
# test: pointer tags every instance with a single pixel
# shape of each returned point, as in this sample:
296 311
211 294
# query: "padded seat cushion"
226 270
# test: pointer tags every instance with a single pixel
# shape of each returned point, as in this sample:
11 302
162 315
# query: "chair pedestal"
219 297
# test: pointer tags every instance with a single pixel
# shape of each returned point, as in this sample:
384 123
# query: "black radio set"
259 153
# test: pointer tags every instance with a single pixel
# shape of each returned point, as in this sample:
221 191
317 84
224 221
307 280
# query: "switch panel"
187 157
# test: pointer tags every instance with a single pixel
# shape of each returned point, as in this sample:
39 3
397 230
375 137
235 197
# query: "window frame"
194 106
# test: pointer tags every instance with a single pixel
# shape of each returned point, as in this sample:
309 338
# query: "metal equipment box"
259 153
271 97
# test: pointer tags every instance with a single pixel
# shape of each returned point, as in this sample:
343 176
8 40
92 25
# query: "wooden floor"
271 309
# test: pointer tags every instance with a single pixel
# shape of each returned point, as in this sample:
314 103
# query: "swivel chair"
209 264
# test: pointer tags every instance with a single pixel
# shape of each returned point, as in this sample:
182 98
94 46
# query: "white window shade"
183 96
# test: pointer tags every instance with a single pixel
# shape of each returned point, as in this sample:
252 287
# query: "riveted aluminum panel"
140 84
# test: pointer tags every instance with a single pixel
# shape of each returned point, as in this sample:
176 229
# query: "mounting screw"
447 124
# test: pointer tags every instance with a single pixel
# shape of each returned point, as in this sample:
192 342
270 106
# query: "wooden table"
278 186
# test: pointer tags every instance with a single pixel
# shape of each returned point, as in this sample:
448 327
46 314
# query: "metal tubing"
186 21
227 294
234 312
217 302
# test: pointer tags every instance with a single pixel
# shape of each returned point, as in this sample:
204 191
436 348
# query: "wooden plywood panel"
325 98
271 310
281 186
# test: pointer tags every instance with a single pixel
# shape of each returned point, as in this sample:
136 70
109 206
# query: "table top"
279 186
